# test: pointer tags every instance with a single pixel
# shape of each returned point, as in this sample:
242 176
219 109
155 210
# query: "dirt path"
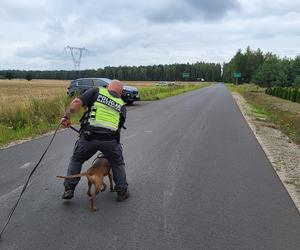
281 151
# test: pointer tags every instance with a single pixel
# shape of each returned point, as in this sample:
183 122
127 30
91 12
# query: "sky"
35 33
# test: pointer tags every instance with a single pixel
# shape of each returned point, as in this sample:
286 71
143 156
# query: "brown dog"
95 175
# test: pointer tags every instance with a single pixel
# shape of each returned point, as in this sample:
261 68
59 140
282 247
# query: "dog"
95 175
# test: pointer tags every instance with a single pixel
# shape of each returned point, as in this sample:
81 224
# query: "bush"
28 77
298 97
9 75
288 94
297 82
276 92
291 94
283 93
294 95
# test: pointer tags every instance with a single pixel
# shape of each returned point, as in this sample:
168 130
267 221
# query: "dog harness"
106 110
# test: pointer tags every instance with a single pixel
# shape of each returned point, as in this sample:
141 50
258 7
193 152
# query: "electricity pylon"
76 53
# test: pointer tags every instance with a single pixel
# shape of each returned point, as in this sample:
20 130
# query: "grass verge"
285 115
33 118
157 93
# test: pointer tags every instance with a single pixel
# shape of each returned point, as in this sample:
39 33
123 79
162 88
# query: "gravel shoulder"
281 151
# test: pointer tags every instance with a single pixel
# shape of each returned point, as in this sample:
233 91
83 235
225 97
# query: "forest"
263 69
254 66
171 72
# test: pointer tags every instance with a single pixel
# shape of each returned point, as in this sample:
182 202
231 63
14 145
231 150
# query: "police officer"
106 117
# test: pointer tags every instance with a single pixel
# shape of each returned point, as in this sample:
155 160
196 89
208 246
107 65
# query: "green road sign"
185 75
237 74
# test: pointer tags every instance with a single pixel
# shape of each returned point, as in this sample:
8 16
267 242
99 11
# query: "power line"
76 53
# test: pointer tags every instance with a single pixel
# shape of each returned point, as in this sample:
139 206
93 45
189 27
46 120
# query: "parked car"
129 95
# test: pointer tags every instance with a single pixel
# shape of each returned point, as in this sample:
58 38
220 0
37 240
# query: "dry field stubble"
29 108
16 93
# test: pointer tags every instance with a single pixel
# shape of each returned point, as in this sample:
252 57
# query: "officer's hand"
65 122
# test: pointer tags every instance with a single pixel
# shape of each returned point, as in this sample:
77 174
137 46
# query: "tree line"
291 94
169 72
264 69
255 66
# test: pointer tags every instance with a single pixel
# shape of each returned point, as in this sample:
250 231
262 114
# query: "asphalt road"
198 180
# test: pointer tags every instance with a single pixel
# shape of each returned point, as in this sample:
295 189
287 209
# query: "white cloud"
131 32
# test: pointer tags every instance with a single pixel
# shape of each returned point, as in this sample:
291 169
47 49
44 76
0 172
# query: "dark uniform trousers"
85 149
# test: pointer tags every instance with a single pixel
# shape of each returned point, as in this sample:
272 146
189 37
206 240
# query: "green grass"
244 88
35 118
157 93
282 113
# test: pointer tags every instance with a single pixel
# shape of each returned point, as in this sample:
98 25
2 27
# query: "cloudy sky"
34 33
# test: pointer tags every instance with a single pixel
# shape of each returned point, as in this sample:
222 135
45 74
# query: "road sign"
237 74
185 75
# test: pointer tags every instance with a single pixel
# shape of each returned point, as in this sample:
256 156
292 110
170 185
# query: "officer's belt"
88 135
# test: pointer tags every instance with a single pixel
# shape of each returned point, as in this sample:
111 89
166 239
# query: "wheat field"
20 92
28 108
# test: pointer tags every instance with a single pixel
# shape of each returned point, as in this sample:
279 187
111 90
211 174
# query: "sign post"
186 75
237 75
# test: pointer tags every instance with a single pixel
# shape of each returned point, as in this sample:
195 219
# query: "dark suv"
129 95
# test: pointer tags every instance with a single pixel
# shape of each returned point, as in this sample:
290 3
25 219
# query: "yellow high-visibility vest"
106 110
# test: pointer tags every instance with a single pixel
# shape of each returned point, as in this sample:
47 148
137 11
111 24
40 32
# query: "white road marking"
129 136
13 192
26 165
148 131
5 198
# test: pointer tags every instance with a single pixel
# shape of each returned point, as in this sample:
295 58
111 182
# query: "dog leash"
26 183
76 130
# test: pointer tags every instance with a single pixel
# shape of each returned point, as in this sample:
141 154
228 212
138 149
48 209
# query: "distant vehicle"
79 86
166 84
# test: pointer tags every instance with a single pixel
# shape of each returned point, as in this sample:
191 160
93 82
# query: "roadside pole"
237 75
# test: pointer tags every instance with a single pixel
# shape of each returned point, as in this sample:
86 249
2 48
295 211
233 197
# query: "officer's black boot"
69 192
123 195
